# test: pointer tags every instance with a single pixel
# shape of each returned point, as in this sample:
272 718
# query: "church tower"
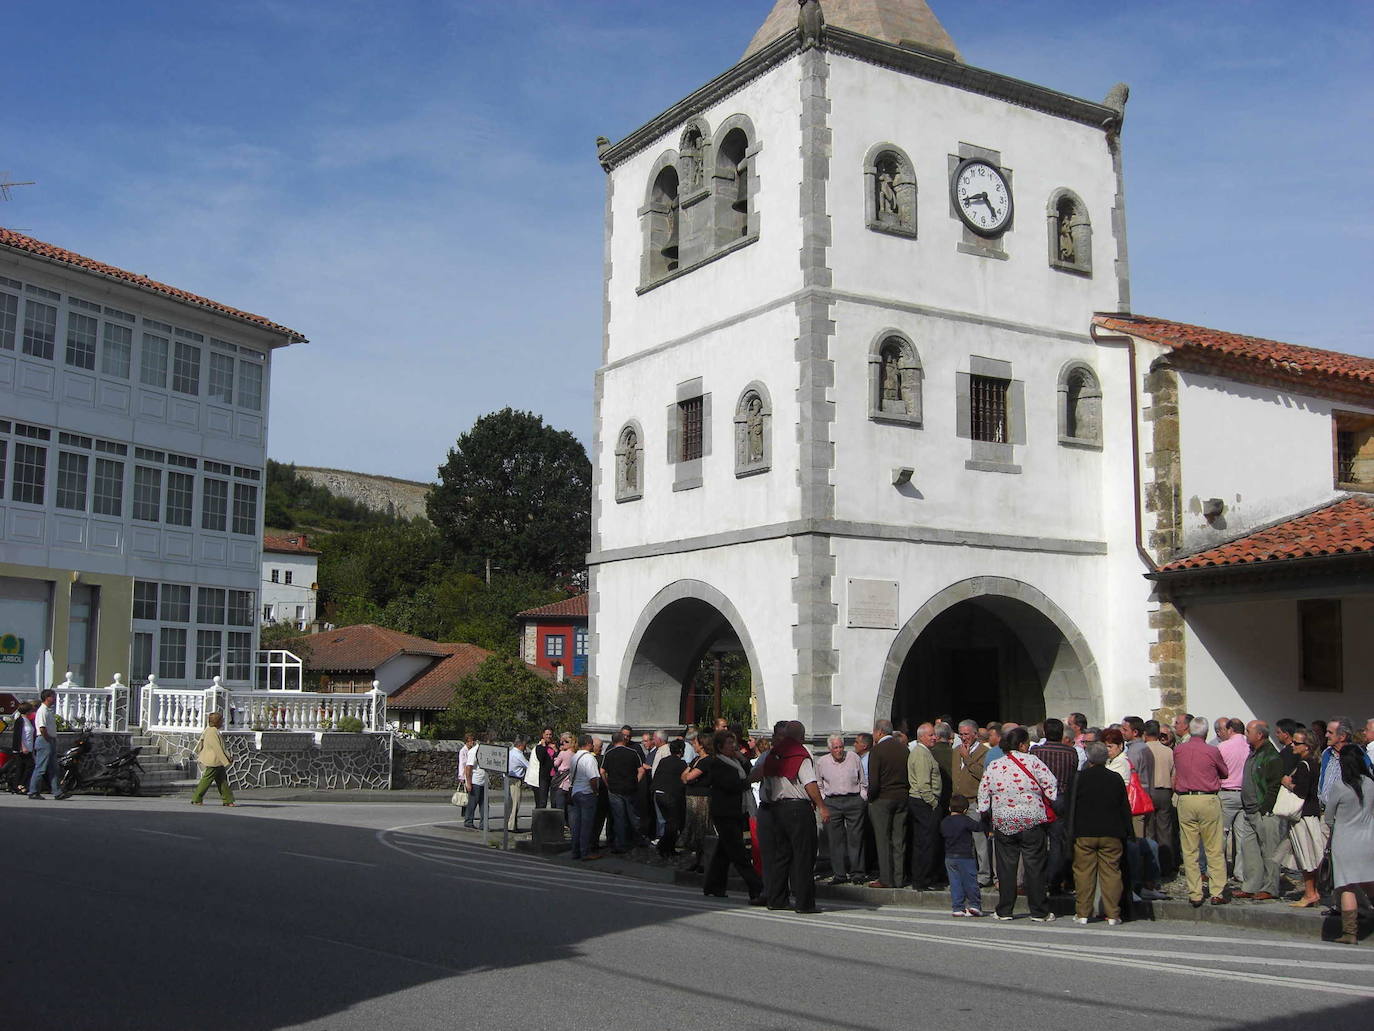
851 427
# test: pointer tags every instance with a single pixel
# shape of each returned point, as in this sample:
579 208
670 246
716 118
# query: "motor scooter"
123 775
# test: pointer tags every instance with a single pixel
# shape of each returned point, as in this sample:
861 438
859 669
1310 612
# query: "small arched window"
660 216
629 462
890 191
753 431
894 379
732 184
1080 406
1070 233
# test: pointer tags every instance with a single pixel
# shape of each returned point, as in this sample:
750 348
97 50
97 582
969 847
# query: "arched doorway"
688 651
989 648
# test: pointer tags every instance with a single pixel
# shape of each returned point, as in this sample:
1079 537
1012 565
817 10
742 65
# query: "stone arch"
1061 656
735 181
753 430
1070 232
659 217
678 626
895 378
629 462
1080 405
890 190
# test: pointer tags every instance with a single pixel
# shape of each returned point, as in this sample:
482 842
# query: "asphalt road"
148 913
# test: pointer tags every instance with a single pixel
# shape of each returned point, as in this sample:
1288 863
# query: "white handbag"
1287 805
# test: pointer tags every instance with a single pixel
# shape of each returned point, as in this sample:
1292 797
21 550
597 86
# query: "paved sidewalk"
313 795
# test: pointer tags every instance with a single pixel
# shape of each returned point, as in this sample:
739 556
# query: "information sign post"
493 759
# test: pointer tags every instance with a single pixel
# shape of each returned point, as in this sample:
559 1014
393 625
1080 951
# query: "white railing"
280 670
173 710
89 708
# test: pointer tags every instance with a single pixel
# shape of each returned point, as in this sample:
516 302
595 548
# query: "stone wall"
286 760
424 765
104 748
403 498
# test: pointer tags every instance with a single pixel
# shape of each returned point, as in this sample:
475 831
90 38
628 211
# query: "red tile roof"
295 545
18 241
575 607
1344 527
364 647
433 688
1301 366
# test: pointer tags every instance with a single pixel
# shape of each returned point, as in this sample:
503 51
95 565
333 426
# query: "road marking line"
484 880
167 834
327 859
386 955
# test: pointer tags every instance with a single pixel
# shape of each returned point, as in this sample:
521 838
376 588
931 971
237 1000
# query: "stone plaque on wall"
872 603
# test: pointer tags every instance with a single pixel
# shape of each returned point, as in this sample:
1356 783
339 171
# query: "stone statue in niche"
693 167
754 430
891 380
1068 250
889 210
631 443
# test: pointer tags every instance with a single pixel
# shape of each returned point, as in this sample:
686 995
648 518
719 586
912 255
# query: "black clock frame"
988 234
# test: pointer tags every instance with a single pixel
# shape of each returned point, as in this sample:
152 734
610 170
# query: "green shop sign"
11 648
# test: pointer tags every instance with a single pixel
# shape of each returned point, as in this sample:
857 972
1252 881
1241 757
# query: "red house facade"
554 637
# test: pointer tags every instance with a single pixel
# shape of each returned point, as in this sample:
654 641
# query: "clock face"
982 196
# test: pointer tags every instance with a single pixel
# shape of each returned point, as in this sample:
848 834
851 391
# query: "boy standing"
966 898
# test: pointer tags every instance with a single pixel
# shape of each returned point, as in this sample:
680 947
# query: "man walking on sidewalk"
45 748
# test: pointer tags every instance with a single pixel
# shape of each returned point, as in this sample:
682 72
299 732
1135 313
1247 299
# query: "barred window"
141 658
115 355
176 603
186 369
250 385
109 488
181 493
214 504
152 363
9 320
238 659
210 605
988 398
81 337
30 473
147 493
240 608
145 599
71 480
209 653
221 378
245 509
689 421
171 654
40 329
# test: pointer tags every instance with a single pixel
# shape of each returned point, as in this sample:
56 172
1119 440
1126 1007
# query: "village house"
290 575
553 637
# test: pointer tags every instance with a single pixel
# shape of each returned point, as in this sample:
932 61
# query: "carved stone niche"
753 431
890 191
1070 233
895 380
1080 407
629 463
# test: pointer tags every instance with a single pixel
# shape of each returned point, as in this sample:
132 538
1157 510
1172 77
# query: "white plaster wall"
1266 453
727 360
756 274
757 578
928 121
303 570
1243 661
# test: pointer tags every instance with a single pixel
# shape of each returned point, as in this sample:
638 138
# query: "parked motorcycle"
121 776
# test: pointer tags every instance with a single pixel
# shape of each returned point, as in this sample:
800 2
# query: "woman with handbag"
1142 886
1305 846
1018 792
560 772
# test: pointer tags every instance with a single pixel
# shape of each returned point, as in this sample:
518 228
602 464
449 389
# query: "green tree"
503 698
517 493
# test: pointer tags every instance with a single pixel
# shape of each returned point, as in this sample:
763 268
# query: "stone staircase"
160 775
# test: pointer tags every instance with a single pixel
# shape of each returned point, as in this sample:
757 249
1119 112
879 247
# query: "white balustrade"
87 708
185 710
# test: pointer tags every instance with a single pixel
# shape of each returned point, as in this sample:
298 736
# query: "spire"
892 21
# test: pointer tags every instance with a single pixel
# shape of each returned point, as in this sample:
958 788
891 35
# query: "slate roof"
19 242
1235 353
293 545
363 647
572 608
1344 527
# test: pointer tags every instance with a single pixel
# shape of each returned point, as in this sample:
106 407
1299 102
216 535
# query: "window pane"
152 363
988 411
288 576
71 480
181 492
145 599
214 504
245 508
142 657
114 359
1322 646
240 608
40 329
176 603
30 474
250 385
81 335
186 369
239 658
9 320
109 488
689 415
147 493
221 378
210 606
208 654
171 654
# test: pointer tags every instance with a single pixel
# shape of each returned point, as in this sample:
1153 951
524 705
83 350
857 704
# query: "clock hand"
970 200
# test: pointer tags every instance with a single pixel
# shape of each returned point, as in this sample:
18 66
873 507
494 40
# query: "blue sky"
413 184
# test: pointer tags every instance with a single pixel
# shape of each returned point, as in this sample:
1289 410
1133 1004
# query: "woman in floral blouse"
1018 792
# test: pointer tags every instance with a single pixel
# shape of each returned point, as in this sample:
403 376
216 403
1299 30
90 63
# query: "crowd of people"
1109 815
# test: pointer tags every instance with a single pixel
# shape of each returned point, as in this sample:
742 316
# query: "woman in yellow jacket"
211 755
